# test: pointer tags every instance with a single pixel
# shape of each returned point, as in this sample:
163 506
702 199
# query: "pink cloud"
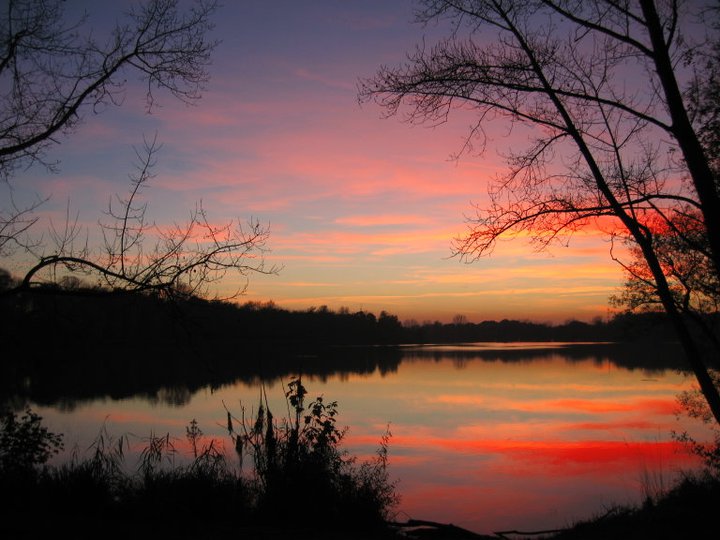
382 220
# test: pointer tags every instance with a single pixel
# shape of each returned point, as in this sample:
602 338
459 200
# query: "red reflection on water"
484 445
650 406
600 404
627 425
484 482
622 456
545 453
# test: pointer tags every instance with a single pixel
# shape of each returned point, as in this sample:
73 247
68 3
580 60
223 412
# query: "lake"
489 437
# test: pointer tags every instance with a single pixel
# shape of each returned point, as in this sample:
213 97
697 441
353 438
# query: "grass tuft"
300 479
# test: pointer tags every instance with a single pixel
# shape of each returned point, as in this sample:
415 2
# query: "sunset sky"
362 209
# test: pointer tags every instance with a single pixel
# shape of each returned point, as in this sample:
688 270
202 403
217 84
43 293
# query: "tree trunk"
689 344
693 152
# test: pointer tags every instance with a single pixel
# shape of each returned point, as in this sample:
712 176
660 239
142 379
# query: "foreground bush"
688 510
300 479
300 472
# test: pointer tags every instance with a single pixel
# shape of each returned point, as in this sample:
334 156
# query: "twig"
502 534
453 530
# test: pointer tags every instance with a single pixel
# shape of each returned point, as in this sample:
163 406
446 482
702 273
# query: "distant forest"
81 344
90 316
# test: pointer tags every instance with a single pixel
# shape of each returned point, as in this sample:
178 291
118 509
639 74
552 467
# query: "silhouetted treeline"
649 357
626 327
147 321
84 345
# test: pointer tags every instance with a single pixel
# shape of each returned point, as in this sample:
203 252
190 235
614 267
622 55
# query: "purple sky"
362 210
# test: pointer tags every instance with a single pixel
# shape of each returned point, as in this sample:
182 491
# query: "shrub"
301 471
695 406
298 471
25 444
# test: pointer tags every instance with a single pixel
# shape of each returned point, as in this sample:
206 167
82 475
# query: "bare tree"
15 223
692 280
139 256
599 84
682 244
51 73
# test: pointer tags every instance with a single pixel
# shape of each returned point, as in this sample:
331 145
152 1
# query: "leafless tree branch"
51 73
597 81
139 256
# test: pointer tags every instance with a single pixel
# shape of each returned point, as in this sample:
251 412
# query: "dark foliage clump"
301 472
25 444
300 481
686 511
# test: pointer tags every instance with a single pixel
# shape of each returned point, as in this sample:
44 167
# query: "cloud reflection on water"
486 444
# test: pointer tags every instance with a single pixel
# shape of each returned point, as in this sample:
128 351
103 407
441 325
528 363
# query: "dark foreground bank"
191 508
303 486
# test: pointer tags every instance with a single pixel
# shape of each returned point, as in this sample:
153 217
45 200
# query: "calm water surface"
486 436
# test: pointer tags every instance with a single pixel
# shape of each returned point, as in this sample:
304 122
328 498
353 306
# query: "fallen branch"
425 528
502 534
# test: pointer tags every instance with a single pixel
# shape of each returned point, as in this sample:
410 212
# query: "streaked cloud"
362 209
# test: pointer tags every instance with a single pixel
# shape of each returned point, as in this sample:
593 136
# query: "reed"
299 472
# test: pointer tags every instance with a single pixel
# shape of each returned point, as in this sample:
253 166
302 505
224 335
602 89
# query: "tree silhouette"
614 144
51 73
138 256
